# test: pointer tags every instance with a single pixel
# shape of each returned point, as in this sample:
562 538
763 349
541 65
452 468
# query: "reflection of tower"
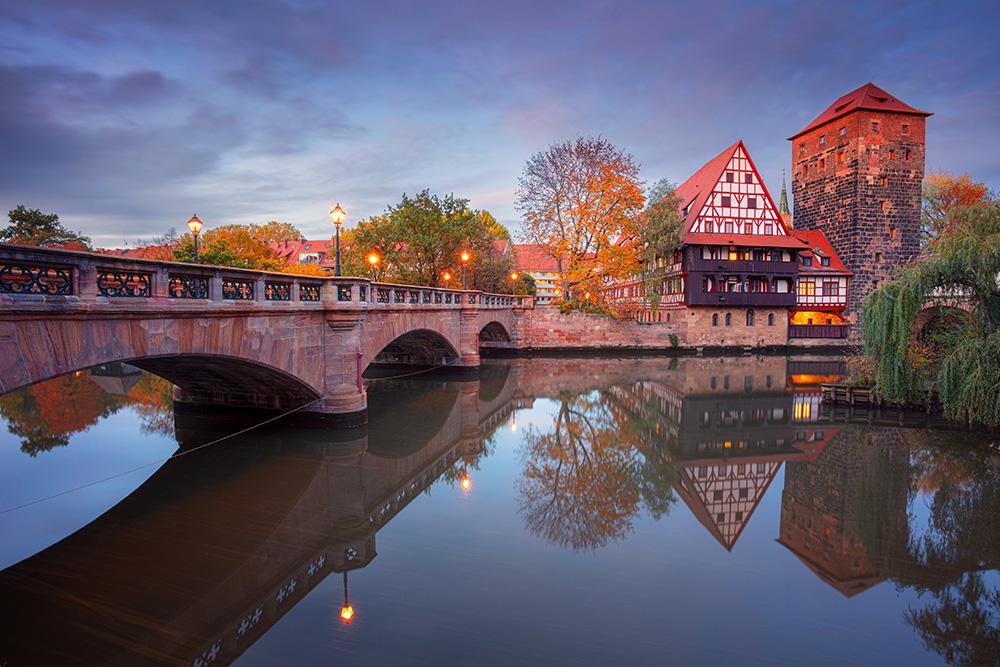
844 514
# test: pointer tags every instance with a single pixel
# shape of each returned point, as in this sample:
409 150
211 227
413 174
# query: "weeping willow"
962 264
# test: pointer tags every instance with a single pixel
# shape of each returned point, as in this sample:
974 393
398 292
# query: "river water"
551 511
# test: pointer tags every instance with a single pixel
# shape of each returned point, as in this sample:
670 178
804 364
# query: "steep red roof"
868 96
695 190
531 257
818 246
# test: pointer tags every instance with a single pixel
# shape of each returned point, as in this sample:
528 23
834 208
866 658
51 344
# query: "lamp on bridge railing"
447 278
195 225
337 215
465 257
373 262
513 281
346 611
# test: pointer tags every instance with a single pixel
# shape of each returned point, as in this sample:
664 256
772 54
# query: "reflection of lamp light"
513 422
347 611
466 481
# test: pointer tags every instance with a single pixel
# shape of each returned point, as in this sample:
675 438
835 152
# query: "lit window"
883 181
807 288
892 154
840 156
892 232
906 154
734 255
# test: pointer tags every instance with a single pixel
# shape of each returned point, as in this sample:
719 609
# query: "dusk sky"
125 117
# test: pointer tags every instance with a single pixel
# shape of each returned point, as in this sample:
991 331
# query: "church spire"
783 204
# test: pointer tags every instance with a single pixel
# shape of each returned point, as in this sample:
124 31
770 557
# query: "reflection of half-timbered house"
733 279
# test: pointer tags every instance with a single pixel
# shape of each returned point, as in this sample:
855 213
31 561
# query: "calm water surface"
552 511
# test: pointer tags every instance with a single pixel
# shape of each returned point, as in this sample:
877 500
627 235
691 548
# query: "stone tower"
857 170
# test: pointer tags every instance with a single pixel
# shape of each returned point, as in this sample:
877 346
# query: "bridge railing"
31 274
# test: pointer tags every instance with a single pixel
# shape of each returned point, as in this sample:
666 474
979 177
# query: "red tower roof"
868 96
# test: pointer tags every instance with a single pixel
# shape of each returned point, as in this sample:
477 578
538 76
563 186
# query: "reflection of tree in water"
958 613
45 415
583 482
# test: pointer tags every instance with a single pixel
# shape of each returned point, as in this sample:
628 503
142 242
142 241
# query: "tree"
276 232
230 245
963 264
654 235
941 194
32 227
420 238
578 199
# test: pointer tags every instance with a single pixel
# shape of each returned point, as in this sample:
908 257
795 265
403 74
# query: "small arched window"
750 317
770 319
729 319
715 319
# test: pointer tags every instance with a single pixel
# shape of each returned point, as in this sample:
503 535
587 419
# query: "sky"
125 116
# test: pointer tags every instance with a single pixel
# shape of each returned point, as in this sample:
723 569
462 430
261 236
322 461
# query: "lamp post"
347 611
373 262
513 282
465 257
195 225
447 279
337 215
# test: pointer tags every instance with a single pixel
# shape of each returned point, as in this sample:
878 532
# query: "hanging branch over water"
964 265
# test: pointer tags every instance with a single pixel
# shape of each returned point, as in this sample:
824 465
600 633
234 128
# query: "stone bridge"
231 336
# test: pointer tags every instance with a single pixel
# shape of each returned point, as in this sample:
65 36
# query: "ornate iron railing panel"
438 297
277 291
187 287
400 296
124 283
447 297
414 296
427 296
308 292
472 298
237 290
382 294
27 279
343 292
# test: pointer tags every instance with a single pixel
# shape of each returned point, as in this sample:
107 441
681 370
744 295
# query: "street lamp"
587 297
373 262
347 611
447 278
337 215
195 225
513 280
465 257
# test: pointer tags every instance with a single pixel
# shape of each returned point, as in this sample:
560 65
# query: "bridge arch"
495 334
418 346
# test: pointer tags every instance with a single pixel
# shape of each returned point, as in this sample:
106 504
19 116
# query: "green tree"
963 264
32 227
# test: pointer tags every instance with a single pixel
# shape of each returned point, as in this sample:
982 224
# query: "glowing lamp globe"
373 259
465 256
194 224
466 483
337 214
346 613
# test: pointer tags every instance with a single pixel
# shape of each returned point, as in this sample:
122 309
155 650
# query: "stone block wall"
545 327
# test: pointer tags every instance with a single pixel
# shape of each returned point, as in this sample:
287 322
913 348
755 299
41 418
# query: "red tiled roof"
531 257
868 96
818 246
693 192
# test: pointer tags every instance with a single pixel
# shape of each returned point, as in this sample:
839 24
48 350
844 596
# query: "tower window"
822 140
726 200
878 258
906 154
802 149
885 206
906 128
892 154
840 156
843 131
883 181
748 177
892 232
715 323
750 318
822 163
729 177
729 322
751 202
770 323
805 169
874 126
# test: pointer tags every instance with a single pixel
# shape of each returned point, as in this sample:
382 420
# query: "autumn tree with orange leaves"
943 193
578 199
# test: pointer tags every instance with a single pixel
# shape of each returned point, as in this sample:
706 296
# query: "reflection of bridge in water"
212 550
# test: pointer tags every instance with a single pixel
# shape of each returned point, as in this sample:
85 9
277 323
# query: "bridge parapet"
32 276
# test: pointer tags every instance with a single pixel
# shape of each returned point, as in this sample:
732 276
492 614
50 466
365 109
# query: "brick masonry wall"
862 189
701 332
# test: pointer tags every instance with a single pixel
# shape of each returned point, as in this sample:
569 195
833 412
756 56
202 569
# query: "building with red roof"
738 263
533 260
